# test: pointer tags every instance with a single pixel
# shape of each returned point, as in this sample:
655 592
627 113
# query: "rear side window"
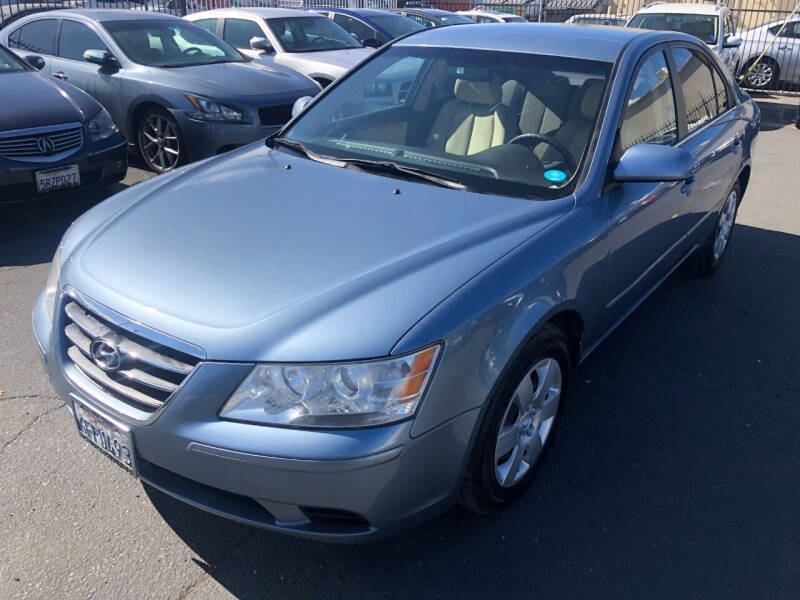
38 37
209 25
75 39
239 32
697 83
650 113
723 100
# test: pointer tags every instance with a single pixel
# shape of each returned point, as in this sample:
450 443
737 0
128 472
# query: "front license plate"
58 179
112 438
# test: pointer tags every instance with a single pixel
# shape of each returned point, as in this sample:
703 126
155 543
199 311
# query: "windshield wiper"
387 166
299 147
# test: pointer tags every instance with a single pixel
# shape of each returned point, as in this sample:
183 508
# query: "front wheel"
159 140
519 423
763 76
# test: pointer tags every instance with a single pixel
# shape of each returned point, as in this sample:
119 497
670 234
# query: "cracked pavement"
675 473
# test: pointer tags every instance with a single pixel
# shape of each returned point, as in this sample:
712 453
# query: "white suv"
713 24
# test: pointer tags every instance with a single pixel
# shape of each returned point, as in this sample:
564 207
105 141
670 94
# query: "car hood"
263 255
30 99
309 61
237 79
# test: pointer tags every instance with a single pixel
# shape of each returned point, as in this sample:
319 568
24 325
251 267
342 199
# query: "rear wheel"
762 76
519 423
710 256
159 140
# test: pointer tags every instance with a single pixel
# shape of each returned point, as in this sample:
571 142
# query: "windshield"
497 122
396 25
703 27
514 19
453 19
170 43
8 63
311 34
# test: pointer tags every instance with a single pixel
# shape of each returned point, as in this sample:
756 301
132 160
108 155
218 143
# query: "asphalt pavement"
675 473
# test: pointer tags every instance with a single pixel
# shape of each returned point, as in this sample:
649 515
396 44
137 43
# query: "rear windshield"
703 27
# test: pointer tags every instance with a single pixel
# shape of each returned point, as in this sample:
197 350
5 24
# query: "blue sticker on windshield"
555 175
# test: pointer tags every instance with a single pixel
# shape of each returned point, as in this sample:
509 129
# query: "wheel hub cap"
725 225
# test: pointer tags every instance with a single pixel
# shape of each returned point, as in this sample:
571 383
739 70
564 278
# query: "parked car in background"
433 17
380 313
303 41
713 24
177 92
53 136
488 16
779 42
369 27
598 19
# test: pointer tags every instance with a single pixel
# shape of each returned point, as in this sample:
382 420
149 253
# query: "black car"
433 17
53 136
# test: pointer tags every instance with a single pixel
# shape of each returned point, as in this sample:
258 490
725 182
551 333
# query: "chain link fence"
767 57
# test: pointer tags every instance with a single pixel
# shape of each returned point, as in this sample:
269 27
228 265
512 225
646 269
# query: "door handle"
60 75
686 188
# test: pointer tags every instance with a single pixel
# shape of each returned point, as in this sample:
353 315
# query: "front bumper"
105 163
334 485
205 139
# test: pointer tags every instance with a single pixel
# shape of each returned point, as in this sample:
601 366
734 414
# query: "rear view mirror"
732 41
371 43
37 62
260 43
104 58
300 105
654 162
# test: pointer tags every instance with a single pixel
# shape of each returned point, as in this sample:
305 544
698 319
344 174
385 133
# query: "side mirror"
732 41
104 58
653 162
37 62
371 43
261 43
300 105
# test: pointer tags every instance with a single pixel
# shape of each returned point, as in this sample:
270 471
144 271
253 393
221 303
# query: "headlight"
357 394
102 126
51 287
209 110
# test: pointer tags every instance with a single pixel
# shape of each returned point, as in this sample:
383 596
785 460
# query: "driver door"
646 218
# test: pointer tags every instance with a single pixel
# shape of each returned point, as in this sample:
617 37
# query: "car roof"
266 13
587 42
102 15
688 9
356 12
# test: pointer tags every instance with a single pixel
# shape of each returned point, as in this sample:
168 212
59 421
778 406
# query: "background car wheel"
763 76
323 82
519 423
710 255
160 141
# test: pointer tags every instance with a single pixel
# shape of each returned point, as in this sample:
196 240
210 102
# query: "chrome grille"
148 372
41 144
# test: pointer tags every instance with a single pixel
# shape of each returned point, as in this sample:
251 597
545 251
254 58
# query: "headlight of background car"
209 110
51 287
354 394
102 126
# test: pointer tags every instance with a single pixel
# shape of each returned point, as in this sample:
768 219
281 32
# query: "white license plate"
113 439
58 179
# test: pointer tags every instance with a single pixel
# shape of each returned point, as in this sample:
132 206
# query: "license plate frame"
109 436
60 178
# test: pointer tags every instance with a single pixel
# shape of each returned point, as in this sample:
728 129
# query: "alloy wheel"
725 225
761 75
527 422
159 142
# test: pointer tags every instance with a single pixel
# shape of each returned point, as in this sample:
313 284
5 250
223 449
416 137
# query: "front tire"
159 141
710 256
764 76
519 423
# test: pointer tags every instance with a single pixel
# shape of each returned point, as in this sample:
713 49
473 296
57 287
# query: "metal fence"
767 59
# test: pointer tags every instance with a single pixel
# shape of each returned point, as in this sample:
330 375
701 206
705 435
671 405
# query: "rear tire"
710 256
519 423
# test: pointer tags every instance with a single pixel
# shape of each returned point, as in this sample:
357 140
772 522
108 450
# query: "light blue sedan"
380 313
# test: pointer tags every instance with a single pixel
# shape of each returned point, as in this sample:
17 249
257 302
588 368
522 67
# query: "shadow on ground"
778 114
675 473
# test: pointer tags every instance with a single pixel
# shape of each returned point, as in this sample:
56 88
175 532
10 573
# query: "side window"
697 83
38 36
239 32
486 20
421 20
209 25
723 101
650 113
354 27
75 39
792 30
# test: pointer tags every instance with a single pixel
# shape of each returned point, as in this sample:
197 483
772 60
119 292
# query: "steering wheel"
192 51
534 139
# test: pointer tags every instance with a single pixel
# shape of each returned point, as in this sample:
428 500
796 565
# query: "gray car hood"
341 60
251 260
243 79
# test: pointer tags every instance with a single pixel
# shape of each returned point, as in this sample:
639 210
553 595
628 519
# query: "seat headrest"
486 93
592 94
